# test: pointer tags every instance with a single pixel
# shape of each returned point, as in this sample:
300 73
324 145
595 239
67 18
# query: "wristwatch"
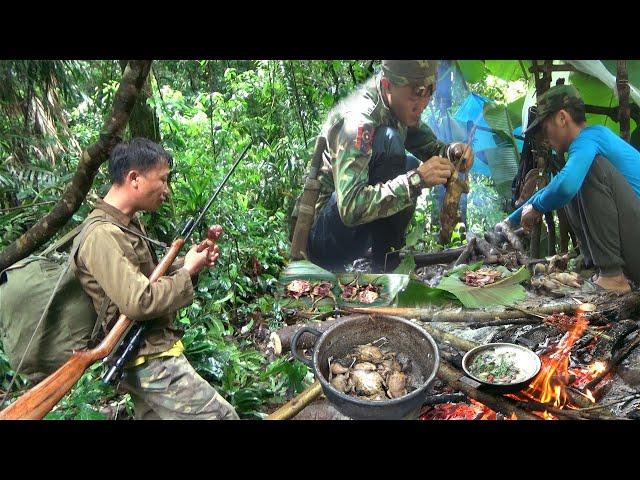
415 181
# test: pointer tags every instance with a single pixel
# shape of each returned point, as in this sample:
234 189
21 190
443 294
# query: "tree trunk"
143 121
132 81
622 82
551 233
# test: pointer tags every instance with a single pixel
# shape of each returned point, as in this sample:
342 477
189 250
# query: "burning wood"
458 411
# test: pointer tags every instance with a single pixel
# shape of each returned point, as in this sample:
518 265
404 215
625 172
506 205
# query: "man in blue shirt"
599 187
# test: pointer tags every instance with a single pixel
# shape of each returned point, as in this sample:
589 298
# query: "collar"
109 209
382 103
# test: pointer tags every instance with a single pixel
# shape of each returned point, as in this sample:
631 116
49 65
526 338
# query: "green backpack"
27 289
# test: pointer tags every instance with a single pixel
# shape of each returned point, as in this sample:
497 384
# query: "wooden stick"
298 403
464 316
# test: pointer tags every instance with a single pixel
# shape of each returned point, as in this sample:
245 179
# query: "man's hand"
435 171
530 218
465 152
196 260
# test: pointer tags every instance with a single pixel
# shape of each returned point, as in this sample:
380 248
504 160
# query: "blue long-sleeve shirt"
590 142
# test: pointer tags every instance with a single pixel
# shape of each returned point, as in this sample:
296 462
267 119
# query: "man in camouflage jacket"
369 182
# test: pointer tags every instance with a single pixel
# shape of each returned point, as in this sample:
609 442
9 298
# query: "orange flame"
549 386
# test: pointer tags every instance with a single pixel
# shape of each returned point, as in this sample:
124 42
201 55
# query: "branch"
132 81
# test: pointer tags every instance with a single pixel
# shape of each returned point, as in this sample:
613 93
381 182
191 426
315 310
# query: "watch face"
415 179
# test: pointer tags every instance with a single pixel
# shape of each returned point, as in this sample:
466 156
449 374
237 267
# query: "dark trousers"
332 244
605 216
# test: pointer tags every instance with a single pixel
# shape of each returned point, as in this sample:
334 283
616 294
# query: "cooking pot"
402 337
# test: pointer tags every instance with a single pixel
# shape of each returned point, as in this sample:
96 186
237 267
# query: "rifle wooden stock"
306 207
39 400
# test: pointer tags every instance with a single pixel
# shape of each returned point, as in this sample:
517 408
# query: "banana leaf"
472 70
503 292
509 70
419 295
390 285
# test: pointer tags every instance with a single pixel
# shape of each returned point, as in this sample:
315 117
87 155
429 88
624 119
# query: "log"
444 337
446 256
511 236
280 340
297 404
484 248
451 376
511 321
463 316
466 253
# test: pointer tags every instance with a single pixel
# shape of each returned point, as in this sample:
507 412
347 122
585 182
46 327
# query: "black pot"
403 337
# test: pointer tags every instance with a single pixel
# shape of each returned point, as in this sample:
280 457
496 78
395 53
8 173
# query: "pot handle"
294 345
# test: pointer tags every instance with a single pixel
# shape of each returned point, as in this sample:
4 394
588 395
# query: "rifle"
307 204
38 401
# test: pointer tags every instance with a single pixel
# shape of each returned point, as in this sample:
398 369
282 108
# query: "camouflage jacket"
349 131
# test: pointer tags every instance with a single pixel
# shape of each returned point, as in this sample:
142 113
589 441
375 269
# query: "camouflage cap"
554 100
410 72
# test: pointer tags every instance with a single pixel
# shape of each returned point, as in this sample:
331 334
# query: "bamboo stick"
298 403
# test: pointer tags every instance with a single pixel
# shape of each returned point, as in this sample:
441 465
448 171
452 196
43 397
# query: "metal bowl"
403 337
527 362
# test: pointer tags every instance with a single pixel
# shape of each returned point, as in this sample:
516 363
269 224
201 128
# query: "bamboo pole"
298 403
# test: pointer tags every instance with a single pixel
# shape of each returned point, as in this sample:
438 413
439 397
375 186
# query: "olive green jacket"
116 264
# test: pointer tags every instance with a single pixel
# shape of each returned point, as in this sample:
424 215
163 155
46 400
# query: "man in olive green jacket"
115 263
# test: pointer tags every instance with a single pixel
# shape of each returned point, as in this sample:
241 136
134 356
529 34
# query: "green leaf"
514 109
472 70
504 292
419 295
509 70
407 265
306 270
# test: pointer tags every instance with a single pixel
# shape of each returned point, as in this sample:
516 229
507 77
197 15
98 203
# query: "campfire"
561 386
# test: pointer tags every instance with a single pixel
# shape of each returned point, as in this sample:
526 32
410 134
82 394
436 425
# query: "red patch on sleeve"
364 138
